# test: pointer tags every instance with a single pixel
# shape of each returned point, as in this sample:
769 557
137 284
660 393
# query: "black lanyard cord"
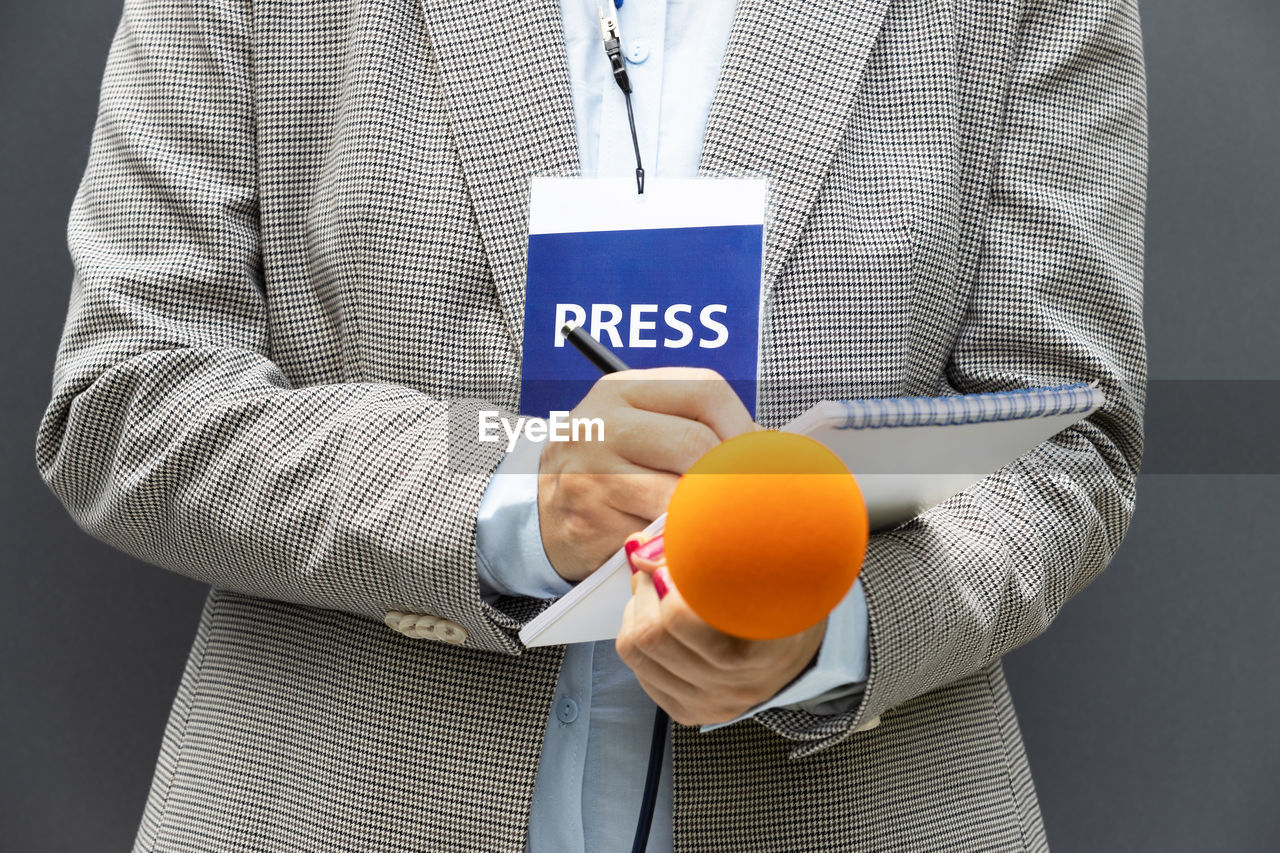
613 48
657 747
658 744
635 142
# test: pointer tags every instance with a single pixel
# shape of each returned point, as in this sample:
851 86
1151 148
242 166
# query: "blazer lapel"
506 81
787 85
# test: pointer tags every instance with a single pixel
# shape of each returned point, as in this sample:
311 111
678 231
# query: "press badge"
670 278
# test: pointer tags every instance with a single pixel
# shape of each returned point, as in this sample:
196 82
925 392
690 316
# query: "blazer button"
868 725
424 627
416 625
399 620
450 632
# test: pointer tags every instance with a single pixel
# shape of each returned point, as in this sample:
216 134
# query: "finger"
634 541
715 650
636 491
688 392
669 703
590 485
643 640
646 554
630 491
688 702
647 645
574 508
634 584
658 441
674 677
641 615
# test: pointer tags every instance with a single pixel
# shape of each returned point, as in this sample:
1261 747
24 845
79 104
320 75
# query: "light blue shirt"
596 745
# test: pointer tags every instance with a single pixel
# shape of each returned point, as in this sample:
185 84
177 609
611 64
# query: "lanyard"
613 48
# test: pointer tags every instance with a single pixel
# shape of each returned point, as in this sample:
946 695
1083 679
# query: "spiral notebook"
907 453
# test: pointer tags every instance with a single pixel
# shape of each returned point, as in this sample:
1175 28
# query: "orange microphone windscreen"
765 534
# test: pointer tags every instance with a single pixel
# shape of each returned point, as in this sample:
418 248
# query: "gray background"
1149 709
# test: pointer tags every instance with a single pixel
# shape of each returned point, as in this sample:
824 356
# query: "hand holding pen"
657 422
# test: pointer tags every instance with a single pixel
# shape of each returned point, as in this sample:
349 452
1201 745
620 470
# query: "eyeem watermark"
558 427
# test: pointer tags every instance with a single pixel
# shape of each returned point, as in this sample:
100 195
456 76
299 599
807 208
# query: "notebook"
907 453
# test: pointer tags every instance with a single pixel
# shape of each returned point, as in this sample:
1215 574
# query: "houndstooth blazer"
299 249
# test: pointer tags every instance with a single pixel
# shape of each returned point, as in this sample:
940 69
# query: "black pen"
593 349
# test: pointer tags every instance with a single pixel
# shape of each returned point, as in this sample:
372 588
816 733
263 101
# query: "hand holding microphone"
765 535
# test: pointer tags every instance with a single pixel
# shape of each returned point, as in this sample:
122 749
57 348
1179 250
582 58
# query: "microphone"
765 534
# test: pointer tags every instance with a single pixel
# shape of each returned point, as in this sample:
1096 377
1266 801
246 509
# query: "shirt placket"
560 774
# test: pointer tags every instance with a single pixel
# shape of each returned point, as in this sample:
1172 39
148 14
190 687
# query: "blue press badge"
668 278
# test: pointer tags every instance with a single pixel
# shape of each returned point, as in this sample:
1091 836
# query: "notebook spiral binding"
970 408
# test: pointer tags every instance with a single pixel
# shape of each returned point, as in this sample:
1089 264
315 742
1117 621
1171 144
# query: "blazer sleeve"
1057 297
171 434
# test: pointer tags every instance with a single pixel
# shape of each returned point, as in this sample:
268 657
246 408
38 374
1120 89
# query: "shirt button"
637 52
567 710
